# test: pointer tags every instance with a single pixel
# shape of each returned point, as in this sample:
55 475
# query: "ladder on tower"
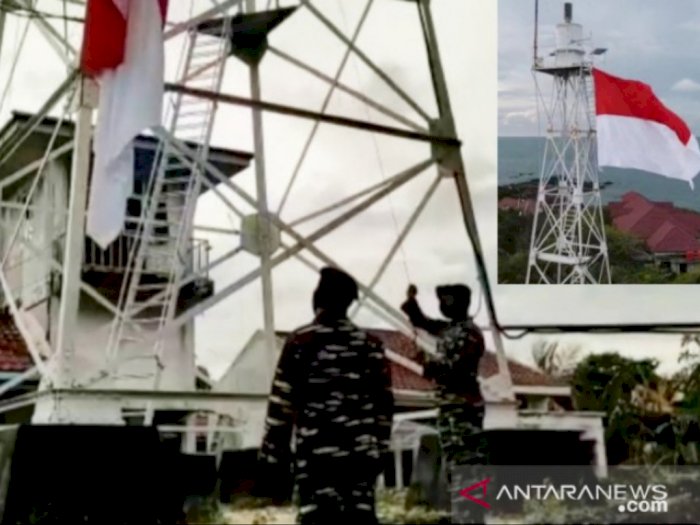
161 247
570 225
590 102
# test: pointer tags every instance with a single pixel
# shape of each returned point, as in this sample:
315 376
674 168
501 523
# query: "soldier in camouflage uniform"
461 406
332 391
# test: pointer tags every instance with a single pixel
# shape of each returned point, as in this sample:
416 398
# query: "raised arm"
418 318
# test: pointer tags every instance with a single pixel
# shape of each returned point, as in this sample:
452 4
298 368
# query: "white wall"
13 269
45 224
138 369
252 371
29 282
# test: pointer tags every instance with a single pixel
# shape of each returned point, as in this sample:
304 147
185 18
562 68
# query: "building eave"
542 390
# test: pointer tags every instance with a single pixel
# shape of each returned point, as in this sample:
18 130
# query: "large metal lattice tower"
139 364
568 244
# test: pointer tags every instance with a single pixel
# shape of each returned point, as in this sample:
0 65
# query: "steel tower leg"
263 211
451 163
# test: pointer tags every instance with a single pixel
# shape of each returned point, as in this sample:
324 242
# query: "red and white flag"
635 130
123 50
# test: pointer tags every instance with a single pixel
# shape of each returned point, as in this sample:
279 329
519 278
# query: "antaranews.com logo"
569 494
633 498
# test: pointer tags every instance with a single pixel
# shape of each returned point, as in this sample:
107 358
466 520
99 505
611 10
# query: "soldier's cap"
337 283
454 293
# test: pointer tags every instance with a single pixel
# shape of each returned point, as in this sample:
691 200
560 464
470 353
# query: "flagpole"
263 212
75 235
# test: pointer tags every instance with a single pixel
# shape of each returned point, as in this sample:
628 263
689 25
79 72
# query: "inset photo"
599 112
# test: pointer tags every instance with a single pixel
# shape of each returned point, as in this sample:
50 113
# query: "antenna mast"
534 43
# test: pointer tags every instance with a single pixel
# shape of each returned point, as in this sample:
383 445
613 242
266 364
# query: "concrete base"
505 448
90 474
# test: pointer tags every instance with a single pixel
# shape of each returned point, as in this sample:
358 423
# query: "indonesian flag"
635 130
123 50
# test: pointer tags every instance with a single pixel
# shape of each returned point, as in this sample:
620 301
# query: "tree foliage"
604 382
643 423
689 375
629 262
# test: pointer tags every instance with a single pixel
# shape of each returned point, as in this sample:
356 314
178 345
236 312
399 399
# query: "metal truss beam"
31 373
206 15
343 202
441 136
350 91
324 107
302 242
313 115
8 149
368 62
65 51
34 166
453 164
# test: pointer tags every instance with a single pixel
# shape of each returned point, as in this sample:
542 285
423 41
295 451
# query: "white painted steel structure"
68 394
568 244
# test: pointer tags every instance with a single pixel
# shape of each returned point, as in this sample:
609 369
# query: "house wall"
251 372
29 282
676 262
13 268
28 270
45 224
137 369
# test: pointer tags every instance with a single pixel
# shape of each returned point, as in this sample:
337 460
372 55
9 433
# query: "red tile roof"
672 237
404 379
689 219
663 227
526 206
633 196
615 209
14 355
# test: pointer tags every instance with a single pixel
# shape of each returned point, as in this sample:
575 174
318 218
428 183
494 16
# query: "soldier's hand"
412 291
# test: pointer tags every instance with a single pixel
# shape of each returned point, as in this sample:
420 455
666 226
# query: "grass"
391 509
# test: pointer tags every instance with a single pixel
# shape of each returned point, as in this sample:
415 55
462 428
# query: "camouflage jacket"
332 393
455 368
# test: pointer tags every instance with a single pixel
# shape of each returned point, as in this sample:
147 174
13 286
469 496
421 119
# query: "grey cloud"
686 85
642 38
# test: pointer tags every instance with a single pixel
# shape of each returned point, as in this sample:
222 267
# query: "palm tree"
689 375
555 359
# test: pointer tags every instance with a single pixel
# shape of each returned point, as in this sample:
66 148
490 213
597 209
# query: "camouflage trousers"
465 452
335 501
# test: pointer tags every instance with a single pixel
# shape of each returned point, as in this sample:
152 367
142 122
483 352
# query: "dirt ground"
391 508
270 515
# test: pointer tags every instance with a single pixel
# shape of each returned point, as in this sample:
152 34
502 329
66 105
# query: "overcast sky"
646 40
344 161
